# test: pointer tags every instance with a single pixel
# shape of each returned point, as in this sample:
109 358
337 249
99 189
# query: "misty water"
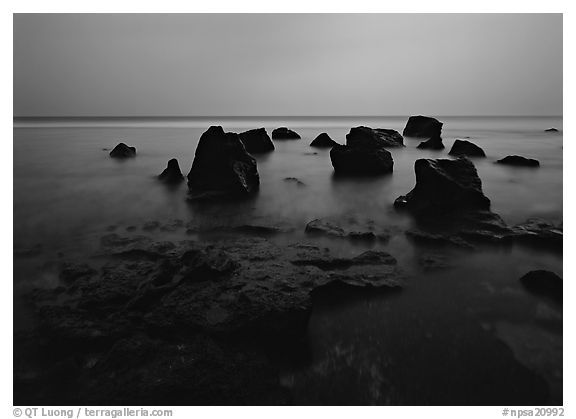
68 193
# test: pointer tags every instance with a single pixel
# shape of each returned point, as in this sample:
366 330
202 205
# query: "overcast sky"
283 65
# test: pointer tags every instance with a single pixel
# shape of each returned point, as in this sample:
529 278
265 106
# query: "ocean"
68 193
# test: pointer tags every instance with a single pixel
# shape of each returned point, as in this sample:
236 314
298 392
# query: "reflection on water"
377 349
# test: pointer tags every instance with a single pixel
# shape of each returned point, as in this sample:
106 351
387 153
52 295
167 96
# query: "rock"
297 181
349 160
122 151
519 161
257 141
172 173
538 232
466 148
374 138
323 141
284 133
222 167
551 130
422 126
434 143
71 272
545 283
352 231
443 185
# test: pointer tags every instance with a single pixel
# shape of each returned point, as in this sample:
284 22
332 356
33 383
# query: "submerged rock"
172 173
323 141
361 161
444 185
466 148
545 283
222 167
538 232
284 133
551 130
434 143
349 230
297 181
374 138
518 161
257 141
422 126
122 151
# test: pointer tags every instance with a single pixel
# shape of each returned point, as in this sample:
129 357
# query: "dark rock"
222 166
349 160
297 181
423 126
444 185
172 173
323 141
374 138
437 239
284 133
538 232
122 151
71 272
434 143
257 141
544 283
551 130
348 230
519 161
466 148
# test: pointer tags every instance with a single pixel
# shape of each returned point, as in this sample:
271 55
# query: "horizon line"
21 117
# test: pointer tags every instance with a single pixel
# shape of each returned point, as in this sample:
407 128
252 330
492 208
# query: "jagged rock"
284 133
544 283
323 141
257 141
434 143
172 173
466 148
551 130
122 151
423 126
222 167
518 161
444 185
538 232
374 138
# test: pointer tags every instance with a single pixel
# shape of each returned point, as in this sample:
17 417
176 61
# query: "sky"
287 65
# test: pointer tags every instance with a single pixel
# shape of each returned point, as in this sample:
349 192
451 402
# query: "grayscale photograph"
287 209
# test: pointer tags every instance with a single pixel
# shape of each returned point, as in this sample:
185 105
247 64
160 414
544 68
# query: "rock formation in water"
222 166
172 173
434 143
323 141
443 185
354 160
544 283
374 137
466 148
284 133
257 141
422 127
122 151
551 130
518 161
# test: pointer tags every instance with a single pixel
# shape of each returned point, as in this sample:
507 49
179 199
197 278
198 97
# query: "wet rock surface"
172 173
466 148
222 167
348 229
257 141
323 141
284 133
434 143
159 318
122 151
422 127
518 161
